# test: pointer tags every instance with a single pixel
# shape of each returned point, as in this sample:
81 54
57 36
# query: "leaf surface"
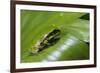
74 33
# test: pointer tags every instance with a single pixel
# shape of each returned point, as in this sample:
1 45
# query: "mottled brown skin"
50 39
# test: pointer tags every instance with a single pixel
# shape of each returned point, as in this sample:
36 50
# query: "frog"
48 40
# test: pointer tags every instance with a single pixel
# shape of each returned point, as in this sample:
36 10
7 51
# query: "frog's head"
34 50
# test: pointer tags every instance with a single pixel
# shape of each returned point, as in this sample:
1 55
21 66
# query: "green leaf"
79 29
71 46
